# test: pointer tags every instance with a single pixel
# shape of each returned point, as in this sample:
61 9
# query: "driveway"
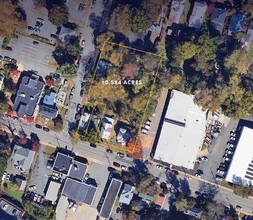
40 173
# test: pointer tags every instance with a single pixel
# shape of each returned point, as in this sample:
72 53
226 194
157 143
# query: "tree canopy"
58 15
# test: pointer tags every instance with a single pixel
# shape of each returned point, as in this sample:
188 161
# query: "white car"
159 167
219 178
32 187
198 175
5 206
123 167
204 158
144 130
222 172
227 159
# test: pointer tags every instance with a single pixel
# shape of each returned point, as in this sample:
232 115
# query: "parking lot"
216 151
100 174
12 211
29 55
40 173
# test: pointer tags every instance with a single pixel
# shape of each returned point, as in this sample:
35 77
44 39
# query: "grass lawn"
13 192
227 185
49 150
116 204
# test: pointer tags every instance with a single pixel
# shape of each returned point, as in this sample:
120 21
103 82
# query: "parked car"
120 154
159 166
38 126
222 172
109 151
5 206
219 178
82 85
144 130
175 172
32 187
30 28
35 42
116 164
93 145
35 197
123 167
8 48
198 175
81 92
111 169
119 210
198 193
53 36
238 207
78 107
46 129
204 158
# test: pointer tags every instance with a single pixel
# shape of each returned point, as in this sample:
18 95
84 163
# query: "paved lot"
30 56
100 174
216 152
82 212
40 172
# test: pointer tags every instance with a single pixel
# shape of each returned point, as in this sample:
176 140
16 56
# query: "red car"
109 151
175 172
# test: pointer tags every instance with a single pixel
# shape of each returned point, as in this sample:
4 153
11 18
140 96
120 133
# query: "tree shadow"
140 166
173 180
184 186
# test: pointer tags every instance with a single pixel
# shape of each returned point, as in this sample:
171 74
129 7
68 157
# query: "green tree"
3 103
140 22
90 136
68 70
181 204
58 122
123 18
72 50
58 15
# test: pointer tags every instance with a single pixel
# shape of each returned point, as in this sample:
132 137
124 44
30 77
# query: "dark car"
30 28
38 126
109 151
198 193
53 36
111 169
46 129
35 42
8 48
120 154
175 172
14 211
116 164
78 107
93 145
81 92
200 172
119 210
82 85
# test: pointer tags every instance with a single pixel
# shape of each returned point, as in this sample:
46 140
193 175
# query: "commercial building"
110 198
28 95
181 131
79 191
62 163
77 170
241 167
52 191
22 158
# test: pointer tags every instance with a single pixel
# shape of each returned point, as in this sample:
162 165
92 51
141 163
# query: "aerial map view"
126 109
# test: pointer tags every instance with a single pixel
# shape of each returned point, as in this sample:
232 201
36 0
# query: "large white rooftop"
241 167
182 132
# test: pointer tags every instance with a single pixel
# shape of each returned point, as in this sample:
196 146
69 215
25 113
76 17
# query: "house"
22 158
28 95
249 35
194 211
79 191
127 194
146 198
84 121
123 136
198 13
236 23
1 81
106 128
177 8
181 131
48 107
218 17
62 163
110 198
52 191
77 170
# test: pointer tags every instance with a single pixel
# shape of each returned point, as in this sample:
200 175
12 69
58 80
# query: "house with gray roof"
48 107
194 211
198 13
28 95
52 191
79 191
106 128
22 158
127 194
218 18
123 136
